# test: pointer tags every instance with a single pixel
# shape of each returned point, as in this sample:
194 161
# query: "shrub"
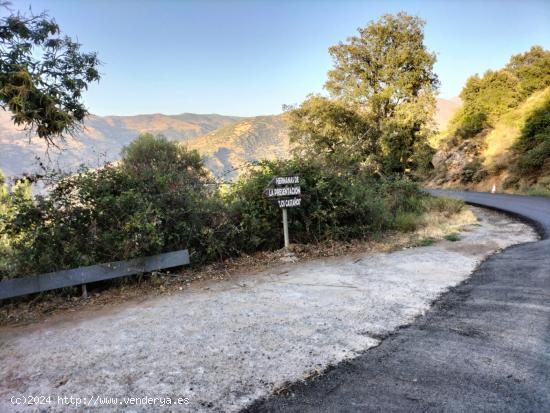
452 237
473 172
159 198
533 145
447 206
405 221
334 205
511 182
135 208
470 124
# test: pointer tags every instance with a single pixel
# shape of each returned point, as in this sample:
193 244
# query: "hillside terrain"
100 140
233 146
490 159
227 142
501 136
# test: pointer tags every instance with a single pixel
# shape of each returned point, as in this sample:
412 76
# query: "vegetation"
43 75
354 153
452 237
382 101
502 130
159 198
533 145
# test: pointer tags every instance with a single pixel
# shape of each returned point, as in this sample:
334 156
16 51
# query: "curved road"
484 346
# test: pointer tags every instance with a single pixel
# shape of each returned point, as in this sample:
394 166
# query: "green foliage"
470 124
532 68
10 198
332 132
43 75
382 100
447 206
533 145
452 237
425 242
473 172
405 221
486 99
335 205
145 205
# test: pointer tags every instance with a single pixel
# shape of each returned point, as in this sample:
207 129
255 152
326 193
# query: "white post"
84 291
285 227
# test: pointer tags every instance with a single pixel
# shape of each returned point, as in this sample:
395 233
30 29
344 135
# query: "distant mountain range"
227 142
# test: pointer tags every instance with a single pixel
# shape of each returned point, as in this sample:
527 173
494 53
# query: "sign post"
285 227
285 191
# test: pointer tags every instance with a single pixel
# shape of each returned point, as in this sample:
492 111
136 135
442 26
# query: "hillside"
227 142
500 136
489 158
233 146
101 139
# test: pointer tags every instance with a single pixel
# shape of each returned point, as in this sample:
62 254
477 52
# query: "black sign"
285 190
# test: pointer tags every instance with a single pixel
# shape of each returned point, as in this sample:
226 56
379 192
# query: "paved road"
484 346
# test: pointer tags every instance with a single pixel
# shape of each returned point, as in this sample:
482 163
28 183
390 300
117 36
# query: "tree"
329 130
385 74
43 75
488 97
160 166
532 69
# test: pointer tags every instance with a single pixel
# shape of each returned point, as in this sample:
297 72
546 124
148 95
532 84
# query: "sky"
249 57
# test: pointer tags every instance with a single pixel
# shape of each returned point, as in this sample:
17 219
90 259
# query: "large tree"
385 75
43 74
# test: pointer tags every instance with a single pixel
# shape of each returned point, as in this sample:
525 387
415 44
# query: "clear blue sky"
251 57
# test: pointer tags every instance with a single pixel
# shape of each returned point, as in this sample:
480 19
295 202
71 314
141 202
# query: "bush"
473 172
334 205
159 199
533 145
142 206
447 206
511 182
470 124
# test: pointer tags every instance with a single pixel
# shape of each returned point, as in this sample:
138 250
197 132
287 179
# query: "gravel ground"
228 344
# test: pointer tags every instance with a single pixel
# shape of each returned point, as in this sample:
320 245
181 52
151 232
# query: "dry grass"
508 129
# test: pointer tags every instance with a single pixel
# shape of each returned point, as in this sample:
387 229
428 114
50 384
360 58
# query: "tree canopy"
43 74
382 99
489 96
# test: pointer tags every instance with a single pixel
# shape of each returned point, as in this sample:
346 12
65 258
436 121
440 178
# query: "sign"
285 191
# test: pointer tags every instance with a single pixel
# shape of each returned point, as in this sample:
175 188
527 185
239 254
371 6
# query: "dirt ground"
221 344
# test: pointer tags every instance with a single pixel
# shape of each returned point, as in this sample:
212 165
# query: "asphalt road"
484 346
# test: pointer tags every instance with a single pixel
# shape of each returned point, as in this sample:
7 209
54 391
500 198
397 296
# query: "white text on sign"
289 203
287 180
284 191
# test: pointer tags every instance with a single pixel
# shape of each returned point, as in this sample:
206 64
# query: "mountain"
232 147
227 142
100 140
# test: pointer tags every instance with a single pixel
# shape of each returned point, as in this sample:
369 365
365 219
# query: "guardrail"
83 275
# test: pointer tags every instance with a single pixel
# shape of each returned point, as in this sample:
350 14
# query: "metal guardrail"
80 276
